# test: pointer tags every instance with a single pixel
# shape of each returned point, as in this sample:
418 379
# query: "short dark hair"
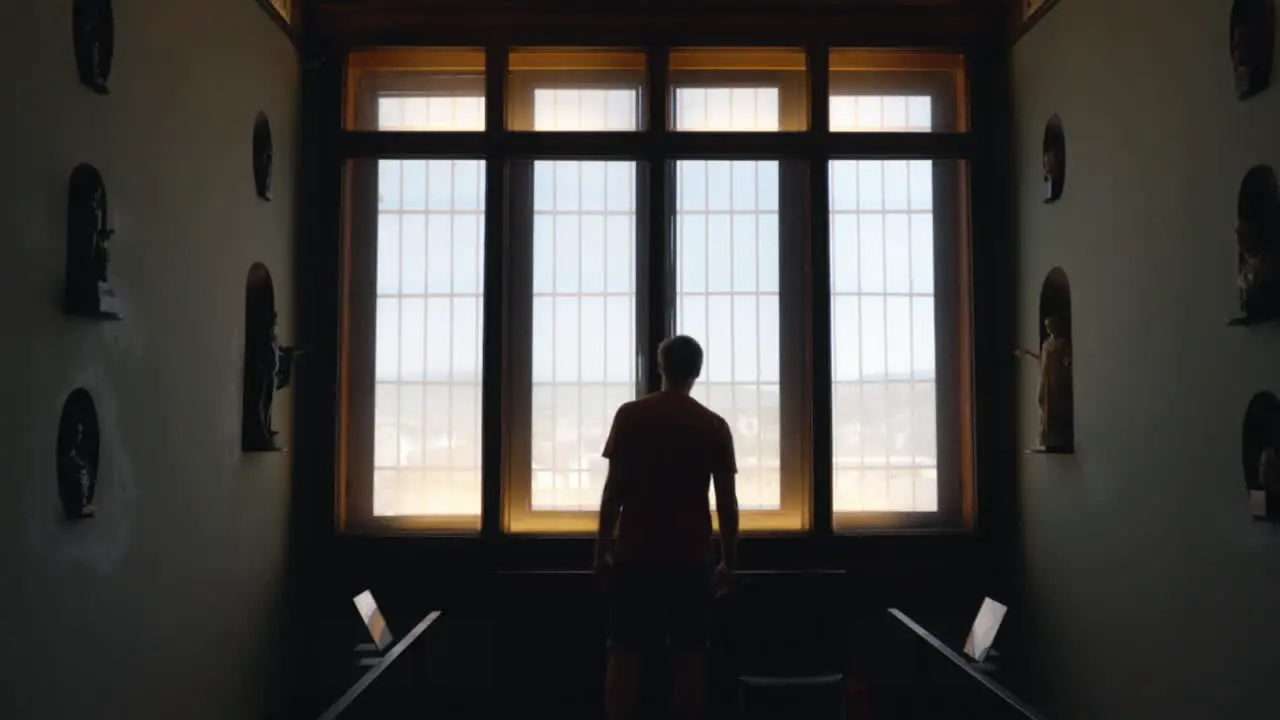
680 359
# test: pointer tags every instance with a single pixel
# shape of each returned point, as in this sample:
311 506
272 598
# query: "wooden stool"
791 698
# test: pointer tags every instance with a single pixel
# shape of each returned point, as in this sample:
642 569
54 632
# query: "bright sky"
430 261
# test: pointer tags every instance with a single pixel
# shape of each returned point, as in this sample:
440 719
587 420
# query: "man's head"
680 361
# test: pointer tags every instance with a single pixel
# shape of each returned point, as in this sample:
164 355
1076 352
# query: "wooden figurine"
1055 393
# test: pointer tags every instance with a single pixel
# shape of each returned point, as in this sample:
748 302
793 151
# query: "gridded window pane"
738 90
430 292
575 90
881 113
727 109
586 109
584 314
884 393
896 91
415 90
440 113
727 298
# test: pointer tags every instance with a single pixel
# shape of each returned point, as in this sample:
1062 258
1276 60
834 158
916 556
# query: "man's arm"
611 497
610 509
724 472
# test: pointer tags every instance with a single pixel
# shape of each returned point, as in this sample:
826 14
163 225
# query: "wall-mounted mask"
1253 38
93 36
263 156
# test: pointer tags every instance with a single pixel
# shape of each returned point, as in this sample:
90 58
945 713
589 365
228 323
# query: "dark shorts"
651 606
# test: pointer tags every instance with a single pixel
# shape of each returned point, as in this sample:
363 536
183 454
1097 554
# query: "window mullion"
659 295
360 335
517 472
819 298
794 222
495 294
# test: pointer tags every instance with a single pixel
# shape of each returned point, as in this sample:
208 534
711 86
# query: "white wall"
169 603
1153 592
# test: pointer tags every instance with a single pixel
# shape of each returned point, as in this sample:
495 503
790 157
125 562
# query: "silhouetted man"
654 545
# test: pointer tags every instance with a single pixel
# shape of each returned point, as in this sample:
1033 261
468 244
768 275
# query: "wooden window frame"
941 77
805 154
287 20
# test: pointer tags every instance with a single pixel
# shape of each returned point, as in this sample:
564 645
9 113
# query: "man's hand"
724 580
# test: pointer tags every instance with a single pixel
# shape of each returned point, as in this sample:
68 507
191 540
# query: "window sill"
762 552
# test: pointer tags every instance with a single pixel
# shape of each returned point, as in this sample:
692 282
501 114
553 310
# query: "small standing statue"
93 37
76 476
268 368
1268 469
88 291
1049 163
1055 395
263 156
1257 232
1266 485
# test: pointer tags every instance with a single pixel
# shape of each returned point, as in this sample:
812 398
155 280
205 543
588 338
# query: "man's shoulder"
630 407
660 403
714 418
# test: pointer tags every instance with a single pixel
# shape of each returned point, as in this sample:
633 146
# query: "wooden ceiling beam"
353 25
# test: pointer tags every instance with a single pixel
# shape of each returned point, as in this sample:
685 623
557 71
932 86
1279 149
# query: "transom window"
459 400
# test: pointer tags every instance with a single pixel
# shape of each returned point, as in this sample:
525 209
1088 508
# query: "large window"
612 236
429 322
884 394
727 296
584 329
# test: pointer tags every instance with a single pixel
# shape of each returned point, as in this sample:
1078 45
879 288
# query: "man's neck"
677 389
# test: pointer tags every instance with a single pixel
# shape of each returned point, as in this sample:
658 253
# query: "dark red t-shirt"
663 449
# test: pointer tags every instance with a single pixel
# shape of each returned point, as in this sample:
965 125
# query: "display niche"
1258 247
93 39
1260 444
1253 44
78 447
267 366
88 291
263 156
1055 390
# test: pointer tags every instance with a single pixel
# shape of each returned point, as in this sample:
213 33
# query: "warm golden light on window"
430 320
728 90
610 242
895 91
883 349
430 90
575 90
